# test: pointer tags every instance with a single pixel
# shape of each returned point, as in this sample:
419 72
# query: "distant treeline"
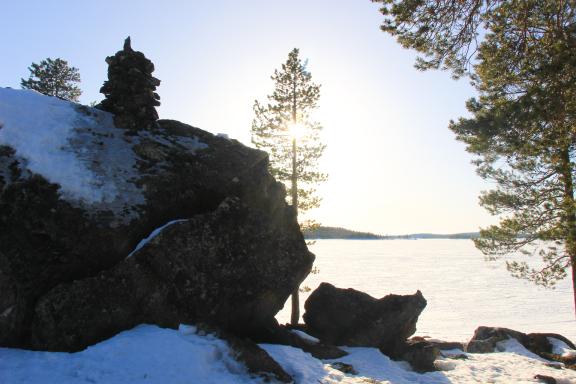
343 233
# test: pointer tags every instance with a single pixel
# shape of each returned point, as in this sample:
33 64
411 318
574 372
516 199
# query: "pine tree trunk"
295 316
570 210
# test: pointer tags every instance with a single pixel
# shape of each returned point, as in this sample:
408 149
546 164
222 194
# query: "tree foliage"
54 78
293 158
294 99
521 58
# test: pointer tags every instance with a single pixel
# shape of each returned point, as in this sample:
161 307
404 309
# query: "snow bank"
145 354
148 354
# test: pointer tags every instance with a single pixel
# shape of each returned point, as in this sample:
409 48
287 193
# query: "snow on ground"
153 234
145 354
511 366
149 354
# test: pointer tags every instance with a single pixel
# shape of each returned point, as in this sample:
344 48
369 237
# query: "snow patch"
74 146
305 336
145 354
561 348
153 234
514 346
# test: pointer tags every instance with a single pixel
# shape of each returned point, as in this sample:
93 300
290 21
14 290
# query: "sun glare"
297 130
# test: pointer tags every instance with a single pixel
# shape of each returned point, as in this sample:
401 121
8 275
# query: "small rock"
555 365
344 368
257 361
545 379
282 335
461 356
482 346
485 339
420 354
441 345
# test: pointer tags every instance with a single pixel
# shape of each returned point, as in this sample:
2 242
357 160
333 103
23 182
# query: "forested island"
347 234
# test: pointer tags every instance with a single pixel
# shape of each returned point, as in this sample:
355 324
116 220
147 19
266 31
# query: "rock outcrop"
353 318
215 268
349 317
231 255
485 340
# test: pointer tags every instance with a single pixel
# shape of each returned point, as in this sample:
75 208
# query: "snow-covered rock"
78 195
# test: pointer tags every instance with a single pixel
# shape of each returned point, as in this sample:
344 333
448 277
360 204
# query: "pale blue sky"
394 166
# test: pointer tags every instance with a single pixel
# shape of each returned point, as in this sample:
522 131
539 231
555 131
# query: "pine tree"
130 90
523 123
285 129
54 78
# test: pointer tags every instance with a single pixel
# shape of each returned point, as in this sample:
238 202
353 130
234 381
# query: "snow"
374 367
514 346
80 149
561 348
149 354
39 128
153 234
305 336
145 354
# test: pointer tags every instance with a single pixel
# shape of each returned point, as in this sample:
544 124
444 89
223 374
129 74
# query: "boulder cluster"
130 90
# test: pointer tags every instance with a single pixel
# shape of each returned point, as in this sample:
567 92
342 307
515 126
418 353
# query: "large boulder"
77 197
350 317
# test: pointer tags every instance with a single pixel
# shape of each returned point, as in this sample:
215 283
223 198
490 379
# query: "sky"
394 167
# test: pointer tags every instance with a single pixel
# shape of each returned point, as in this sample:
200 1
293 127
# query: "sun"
297 130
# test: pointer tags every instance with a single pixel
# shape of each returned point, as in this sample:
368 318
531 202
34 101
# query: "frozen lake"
463 291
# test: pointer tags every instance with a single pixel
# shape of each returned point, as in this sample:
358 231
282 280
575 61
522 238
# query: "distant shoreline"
337 233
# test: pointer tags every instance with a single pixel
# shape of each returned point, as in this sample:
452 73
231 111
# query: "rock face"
349 317
214 268
231 256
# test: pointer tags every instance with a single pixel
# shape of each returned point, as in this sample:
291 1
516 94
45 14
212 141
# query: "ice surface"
462 290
